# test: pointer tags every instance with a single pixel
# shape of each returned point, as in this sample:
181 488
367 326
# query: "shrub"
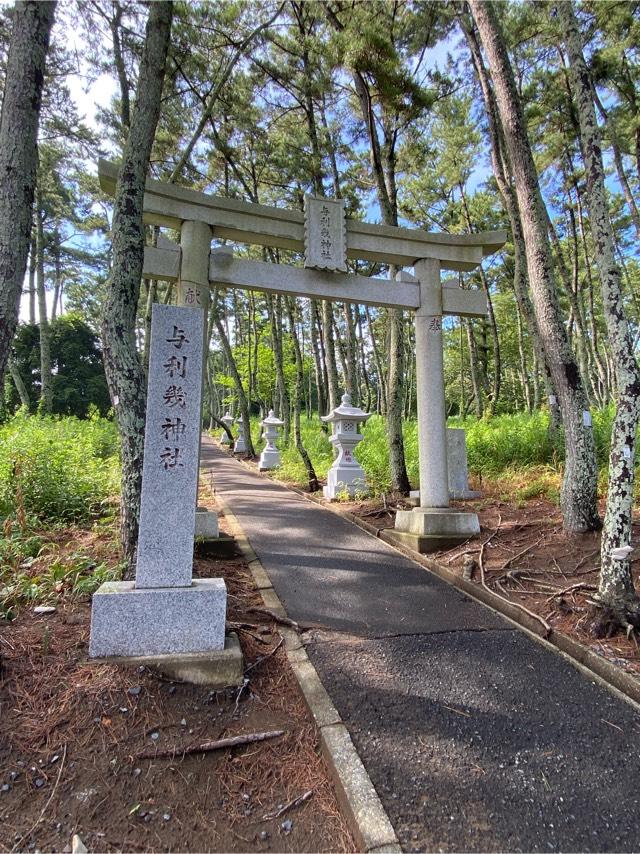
57 469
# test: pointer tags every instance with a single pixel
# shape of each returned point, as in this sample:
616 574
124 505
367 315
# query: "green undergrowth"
57 469
59 480
40 566
513 456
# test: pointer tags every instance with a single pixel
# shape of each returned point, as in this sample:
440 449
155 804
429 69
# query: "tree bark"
123 369
32 22
45 404
312 478
233 369
502 172
21 388
578 494
275 313
616 589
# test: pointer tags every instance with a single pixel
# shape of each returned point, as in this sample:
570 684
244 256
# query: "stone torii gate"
327 239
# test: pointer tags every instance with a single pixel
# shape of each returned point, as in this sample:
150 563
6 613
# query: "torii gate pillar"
193 291
433 525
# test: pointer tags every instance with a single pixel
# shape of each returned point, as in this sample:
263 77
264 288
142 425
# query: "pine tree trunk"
45 405
314 486
123 369
32 22
382 384
235 375
21 388
276 344
32 282
616 589
330 354
502 172
397 464
317 355
473 370
351 344
578 495
383 168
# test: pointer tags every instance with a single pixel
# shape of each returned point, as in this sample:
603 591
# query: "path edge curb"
591 664
362 807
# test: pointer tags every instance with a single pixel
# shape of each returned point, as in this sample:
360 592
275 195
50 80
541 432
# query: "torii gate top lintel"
170 205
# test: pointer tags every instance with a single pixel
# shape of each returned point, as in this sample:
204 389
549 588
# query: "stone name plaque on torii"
325 234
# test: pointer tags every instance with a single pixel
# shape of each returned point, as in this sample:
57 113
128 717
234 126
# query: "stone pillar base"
216 670
206 524
129 621
269 460
430 529
349 479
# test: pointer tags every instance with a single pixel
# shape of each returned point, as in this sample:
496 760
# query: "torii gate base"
429 529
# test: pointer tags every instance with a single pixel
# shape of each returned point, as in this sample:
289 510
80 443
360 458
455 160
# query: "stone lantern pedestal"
346 474
270 457
240 446
227 418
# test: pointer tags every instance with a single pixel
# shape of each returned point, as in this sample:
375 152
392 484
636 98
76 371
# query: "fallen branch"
294 803
537 617
583 560
284 621
264 657
571 589
209 746
244 628
520 554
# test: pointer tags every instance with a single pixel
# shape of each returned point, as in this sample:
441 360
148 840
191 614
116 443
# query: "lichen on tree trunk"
616 592
22 95
578 494
123 368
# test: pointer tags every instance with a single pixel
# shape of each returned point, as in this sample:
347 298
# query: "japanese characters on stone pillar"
325 234
227 419
172 438
166 611
346 474
270 457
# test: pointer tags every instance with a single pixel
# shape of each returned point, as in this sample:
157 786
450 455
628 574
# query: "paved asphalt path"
475 737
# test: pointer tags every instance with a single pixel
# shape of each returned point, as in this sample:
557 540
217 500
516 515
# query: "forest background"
401 109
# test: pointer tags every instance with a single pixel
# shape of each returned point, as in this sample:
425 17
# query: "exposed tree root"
608 619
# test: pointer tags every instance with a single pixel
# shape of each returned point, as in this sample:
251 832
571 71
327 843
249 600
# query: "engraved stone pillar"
227 418
240 446
270 457
166 612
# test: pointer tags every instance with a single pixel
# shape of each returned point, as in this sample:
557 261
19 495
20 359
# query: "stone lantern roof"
346 411
271 419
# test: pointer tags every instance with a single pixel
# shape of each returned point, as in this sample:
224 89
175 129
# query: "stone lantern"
227 419
346 474
240 446
270 457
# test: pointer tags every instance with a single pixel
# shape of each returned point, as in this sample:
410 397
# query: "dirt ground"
72 733
529 560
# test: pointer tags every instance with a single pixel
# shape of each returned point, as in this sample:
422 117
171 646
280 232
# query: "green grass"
57 469
515 452
54 472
